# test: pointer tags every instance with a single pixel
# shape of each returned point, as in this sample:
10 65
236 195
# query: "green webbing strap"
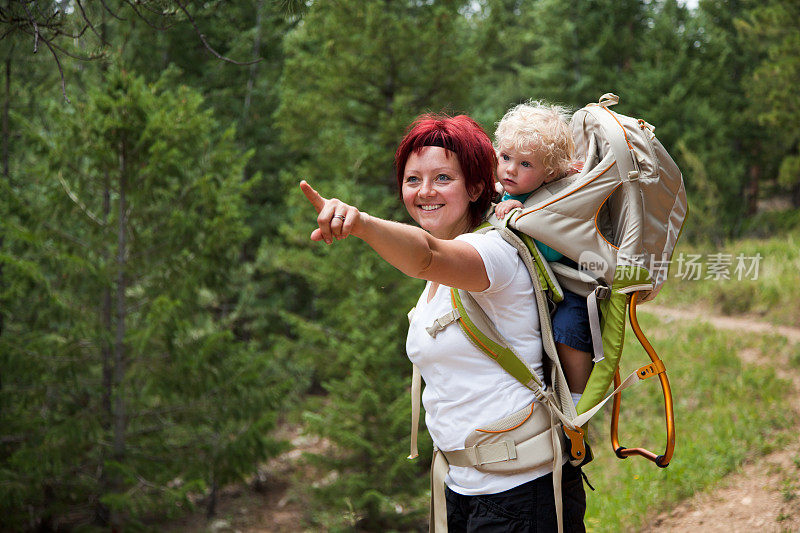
540 264
504 356
544 277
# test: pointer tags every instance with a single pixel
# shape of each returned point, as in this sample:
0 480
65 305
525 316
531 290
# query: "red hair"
471 146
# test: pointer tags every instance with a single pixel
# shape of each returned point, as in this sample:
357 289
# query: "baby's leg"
577 366
573 337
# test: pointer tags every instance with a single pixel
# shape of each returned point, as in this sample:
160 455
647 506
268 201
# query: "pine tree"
724 135
146 398
563 52
772 26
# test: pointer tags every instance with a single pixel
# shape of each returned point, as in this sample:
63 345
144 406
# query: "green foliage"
366 415
567 52
347 96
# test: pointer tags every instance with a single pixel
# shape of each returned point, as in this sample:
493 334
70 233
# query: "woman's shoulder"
491 240
500 258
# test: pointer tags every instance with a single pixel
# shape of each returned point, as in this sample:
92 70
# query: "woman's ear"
476 192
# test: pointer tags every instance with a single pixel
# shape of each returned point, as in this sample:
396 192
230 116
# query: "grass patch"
724 414
794 357
774 294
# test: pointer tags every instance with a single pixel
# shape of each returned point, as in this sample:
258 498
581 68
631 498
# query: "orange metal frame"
656 368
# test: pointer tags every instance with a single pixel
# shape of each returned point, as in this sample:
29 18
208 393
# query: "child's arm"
502 209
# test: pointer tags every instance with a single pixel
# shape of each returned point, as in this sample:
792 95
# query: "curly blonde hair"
541 128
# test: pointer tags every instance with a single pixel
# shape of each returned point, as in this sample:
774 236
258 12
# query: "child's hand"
575 167
502 209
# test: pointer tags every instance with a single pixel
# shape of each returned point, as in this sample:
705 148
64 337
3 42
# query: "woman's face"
435 192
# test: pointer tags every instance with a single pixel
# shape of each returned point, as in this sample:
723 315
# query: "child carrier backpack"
619 220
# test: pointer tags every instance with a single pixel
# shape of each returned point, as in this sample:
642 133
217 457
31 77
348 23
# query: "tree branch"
77 201
89 22
79 58
60 71
71 238
110 12
205 42
3 36
145 19
32 20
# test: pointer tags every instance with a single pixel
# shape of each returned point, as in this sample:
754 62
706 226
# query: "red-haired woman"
445 172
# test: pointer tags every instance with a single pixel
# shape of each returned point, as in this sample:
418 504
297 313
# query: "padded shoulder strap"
482 333
531 255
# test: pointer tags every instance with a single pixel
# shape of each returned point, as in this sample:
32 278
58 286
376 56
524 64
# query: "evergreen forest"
163 312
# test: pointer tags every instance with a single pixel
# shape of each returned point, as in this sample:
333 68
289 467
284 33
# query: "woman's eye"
411 179
443 177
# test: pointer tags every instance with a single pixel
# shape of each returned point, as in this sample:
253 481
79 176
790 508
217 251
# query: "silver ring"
340 216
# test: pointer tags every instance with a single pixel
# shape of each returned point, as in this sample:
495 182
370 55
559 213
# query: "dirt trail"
764 495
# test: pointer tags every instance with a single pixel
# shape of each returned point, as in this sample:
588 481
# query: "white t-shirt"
464 388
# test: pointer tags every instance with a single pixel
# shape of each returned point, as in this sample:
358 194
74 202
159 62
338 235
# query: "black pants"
527 508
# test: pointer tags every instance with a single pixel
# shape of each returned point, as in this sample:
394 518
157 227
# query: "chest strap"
442 322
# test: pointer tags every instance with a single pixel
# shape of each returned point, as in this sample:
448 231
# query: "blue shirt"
548 253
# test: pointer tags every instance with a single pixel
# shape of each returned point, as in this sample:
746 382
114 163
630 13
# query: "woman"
445 171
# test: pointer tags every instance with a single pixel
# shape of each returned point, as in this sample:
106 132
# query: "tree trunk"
118 370
105 318
211 503
102 513
251 80
752 189
796 195
119 341
6 143
6 107
576 47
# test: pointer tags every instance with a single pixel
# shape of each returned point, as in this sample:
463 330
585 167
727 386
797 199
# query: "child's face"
520 174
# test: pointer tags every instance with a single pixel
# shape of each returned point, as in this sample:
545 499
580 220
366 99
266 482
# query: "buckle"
577 449
653 369
477 454
602 292
511 452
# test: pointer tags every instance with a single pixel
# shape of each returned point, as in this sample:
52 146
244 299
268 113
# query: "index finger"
313 196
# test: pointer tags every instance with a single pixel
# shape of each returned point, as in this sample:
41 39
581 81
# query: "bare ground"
266 504
764 495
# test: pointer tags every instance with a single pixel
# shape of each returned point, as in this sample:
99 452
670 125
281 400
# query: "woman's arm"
411 250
